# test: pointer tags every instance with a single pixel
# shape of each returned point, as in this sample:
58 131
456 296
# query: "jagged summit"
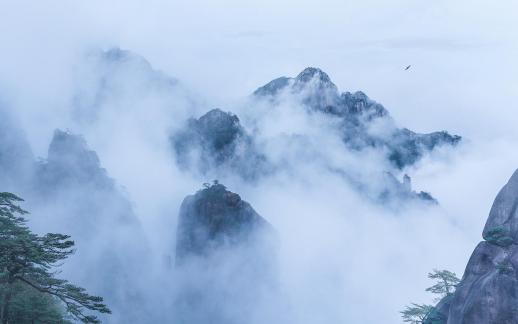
360 117
312 84
316 90
359 104
217 141
311 74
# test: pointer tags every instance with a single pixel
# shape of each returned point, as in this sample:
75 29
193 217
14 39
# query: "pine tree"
29 306
416 313
447 281
30 260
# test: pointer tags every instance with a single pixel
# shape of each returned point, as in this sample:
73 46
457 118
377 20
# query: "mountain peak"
215 217
64 143
312 74
70 159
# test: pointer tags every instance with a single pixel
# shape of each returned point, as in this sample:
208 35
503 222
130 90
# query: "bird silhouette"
408 67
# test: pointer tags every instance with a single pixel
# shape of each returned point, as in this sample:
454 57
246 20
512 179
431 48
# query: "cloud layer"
342 259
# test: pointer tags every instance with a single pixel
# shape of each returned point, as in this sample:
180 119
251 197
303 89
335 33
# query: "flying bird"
408 67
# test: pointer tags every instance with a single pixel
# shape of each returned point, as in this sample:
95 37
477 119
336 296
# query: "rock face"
217 140
488 292
361 118
502 225
225 260
215 218
439 315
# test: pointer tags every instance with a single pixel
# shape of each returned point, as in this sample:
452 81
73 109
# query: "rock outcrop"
361 118
225 260
488 291
214 219
217 141
394 190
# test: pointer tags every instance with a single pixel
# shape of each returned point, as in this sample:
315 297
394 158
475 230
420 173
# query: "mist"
126 76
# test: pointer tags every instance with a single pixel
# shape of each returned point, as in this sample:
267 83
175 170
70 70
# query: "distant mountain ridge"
217 143
314 89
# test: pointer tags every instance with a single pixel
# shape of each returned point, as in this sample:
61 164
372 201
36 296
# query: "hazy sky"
462 52
463 76
464 79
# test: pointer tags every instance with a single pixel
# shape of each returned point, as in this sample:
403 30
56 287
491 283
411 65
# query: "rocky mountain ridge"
217 143
358 113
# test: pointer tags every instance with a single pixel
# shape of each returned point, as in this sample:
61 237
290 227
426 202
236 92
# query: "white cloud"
341 258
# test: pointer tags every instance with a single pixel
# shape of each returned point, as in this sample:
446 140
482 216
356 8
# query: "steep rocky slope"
488 292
